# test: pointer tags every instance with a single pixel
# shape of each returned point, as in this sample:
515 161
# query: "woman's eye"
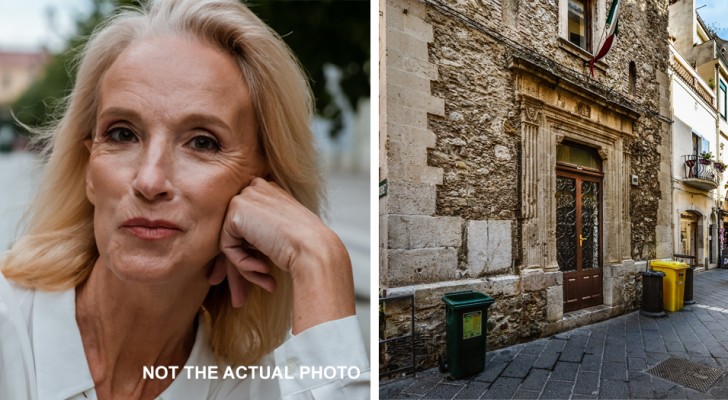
204 143
121 135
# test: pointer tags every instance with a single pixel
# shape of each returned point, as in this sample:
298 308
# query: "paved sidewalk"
605 360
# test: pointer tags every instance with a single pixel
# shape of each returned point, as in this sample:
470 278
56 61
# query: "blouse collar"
61 366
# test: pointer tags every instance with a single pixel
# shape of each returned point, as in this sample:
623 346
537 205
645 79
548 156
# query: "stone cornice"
589 94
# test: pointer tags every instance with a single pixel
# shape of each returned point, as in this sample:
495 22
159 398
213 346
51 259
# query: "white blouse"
42 358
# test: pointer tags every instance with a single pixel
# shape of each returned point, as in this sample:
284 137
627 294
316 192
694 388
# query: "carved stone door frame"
553 109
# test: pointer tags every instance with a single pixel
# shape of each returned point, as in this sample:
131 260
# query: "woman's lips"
150 229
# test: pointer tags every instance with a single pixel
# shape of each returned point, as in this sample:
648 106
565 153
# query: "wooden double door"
579 236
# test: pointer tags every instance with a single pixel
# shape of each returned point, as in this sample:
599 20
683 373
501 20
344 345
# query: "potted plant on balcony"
720 166
706 158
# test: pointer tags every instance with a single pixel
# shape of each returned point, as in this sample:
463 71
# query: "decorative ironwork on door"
578 238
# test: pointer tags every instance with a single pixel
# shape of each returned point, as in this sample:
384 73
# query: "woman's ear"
90 191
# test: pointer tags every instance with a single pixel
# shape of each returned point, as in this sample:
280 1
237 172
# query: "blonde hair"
59 249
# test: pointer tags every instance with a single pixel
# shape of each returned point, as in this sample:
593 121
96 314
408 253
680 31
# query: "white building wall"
693 110
692 114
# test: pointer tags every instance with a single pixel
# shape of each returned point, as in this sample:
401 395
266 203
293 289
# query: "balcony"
700 173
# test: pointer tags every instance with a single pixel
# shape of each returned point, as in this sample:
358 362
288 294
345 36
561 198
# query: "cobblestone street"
607 360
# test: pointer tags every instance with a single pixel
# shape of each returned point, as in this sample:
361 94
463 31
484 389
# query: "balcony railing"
701 173
690 77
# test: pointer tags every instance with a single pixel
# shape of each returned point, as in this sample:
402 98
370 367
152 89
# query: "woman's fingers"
237 285
265 222
267 282
271 221
246 260
242 267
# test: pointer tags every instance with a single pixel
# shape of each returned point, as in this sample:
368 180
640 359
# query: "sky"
715 14
25 25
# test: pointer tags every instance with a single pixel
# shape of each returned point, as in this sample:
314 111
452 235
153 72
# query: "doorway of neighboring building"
689 234
579 225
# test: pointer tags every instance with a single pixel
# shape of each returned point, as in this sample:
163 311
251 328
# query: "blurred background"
39 38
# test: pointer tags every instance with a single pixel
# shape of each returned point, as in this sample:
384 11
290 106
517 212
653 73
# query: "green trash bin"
466 315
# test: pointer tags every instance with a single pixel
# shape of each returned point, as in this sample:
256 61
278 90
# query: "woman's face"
174 141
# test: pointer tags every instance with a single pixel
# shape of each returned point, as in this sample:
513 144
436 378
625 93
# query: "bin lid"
668 264
653 273
459 300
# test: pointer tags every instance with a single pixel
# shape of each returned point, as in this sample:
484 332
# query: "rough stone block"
397 232
410 198
489 245
503 285
412 80
608 291
430 295
535 281
425 231
612 291
422 137
420 231
405 15
409 154
382 250
407 267
418 27
418 66
554 303
436 106
413 46
430 175
400 115
415 10
403 96
450 232
663 237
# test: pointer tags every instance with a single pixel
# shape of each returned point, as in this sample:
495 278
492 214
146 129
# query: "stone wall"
476 146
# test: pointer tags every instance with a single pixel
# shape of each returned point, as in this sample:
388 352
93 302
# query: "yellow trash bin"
673 286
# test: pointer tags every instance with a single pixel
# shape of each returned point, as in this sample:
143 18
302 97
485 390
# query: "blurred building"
18 70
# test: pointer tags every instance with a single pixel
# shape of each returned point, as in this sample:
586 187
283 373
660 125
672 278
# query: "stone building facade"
511 171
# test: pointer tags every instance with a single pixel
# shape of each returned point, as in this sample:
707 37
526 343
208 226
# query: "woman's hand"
264 219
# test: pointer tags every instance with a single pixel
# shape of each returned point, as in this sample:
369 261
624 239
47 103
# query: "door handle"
581 240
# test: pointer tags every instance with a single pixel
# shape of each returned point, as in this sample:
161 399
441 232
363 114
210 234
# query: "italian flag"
611 30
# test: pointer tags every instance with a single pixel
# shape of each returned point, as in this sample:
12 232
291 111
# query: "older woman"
176 226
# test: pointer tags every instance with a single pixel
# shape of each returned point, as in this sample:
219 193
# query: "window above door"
581 22
578 156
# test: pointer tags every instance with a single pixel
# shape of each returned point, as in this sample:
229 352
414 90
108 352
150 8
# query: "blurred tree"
325 31
39 104
319 32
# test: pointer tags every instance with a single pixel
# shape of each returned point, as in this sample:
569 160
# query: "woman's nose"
152 181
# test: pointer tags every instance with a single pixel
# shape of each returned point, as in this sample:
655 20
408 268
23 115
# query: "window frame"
587 24
723 94
598 16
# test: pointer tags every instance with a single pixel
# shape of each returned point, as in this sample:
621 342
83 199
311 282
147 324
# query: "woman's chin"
153 270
